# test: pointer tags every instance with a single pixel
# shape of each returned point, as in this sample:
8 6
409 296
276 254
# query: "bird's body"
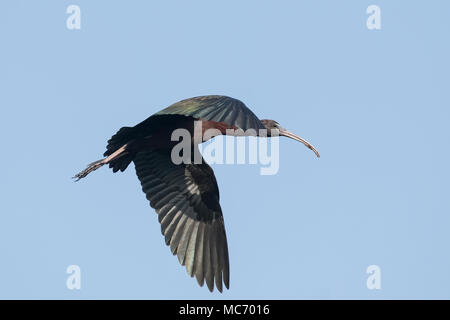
186 195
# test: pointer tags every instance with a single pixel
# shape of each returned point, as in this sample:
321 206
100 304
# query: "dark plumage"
216 108
185 196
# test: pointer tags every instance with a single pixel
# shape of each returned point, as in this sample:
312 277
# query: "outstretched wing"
216 108
186 198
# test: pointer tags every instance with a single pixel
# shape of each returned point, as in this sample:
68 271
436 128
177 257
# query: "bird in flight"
186 196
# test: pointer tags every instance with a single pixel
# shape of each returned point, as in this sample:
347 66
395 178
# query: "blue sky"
374 103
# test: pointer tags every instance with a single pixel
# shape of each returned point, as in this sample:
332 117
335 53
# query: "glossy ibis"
185 196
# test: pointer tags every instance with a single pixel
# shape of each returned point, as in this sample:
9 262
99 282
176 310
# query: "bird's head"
273 125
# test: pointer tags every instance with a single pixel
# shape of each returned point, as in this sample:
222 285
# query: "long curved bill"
297 138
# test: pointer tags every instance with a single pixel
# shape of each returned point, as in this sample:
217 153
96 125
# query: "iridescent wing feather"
216 108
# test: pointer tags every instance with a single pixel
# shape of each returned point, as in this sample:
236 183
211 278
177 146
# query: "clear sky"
374 102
